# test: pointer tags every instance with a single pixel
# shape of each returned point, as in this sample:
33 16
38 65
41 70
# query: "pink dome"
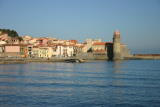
117 33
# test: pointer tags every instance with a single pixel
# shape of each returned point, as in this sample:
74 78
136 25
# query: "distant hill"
11 33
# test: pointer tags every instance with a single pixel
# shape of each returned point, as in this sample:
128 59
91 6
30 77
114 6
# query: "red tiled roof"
74 41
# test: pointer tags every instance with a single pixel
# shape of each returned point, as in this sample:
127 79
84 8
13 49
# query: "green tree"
11 33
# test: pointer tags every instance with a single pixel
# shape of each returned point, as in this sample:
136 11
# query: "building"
14 50
109 48
26 39
117 46
13 40
125 52
2 42
4 38
45 52
30 50
35 52
99 46
89 43
64 50
120 51
112 50
45 47
42 41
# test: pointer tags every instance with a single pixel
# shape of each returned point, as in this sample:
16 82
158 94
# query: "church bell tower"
116 46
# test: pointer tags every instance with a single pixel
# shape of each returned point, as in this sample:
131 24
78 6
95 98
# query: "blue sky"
137 20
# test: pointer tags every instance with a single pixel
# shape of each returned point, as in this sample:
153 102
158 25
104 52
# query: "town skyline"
138 21
14 46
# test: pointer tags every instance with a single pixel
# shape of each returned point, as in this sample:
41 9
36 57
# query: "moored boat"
74 60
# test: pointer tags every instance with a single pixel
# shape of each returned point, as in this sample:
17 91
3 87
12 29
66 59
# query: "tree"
11 33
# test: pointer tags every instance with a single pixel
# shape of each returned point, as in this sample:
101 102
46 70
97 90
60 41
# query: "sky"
137 20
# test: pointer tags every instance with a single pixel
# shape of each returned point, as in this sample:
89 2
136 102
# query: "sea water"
134 83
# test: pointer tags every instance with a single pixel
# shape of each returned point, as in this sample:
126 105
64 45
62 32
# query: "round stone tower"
116 46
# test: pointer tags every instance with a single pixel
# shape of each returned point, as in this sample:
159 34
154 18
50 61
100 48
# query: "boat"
81 60
74 60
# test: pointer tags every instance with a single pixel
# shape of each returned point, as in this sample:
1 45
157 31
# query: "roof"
14 44
42 39
100 51
117 34
99 43
73 41
65 45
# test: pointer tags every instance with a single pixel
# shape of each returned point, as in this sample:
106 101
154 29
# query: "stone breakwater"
144 56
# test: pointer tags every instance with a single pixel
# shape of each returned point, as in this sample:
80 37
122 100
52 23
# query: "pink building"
42 41
15 50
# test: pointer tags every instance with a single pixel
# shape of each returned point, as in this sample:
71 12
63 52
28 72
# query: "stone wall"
92 56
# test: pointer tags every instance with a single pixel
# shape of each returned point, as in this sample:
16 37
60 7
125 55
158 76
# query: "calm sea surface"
133 83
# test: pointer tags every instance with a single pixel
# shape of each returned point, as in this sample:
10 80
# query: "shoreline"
26 60
29 60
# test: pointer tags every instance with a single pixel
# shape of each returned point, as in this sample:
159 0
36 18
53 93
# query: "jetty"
144 56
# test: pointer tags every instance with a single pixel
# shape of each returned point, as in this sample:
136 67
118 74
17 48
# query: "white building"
64 51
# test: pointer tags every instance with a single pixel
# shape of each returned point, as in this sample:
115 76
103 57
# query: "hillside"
11 33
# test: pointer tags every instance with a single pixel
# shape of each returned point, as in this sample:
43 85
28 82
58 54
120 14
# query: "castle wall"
125 52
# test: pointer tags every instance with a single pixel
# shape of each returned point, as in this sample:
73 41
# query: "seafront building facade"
44 47
13 50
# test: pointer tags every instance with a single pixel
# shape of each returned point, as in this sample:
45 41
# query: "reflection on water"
101 83
117 65
117 92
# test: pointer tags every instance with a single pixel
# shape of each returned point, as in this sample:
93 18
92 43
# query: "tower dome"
117 33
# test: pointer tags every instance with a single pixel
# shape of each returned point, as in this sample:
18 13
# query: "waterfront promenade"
28 60
62 59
